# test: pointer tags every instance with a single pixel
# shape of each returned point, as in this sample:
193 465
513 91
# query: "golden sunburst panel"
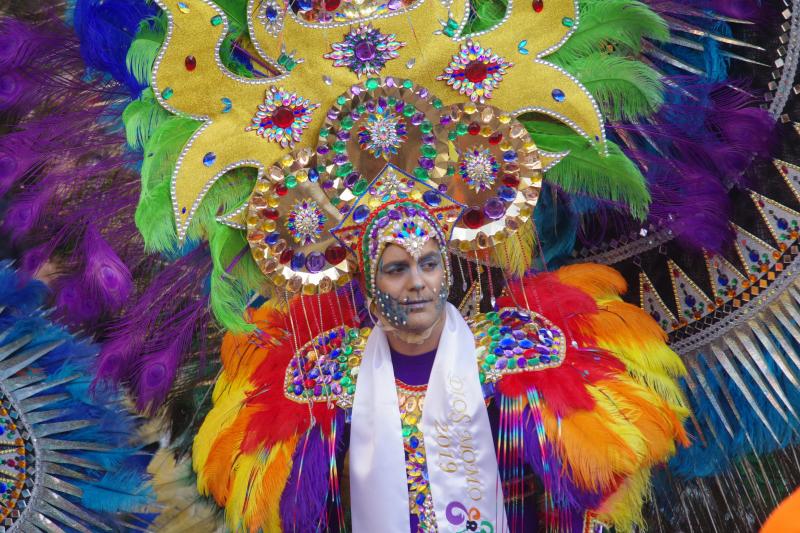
228 103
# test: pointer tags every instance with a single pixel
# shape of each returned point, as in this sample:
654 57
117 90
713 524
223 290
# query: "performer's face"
413 290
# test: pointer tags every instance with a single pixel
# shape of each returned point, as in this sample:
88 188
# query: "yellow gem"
268 225
415 194
486 131
301 176
529 146
504 119
287 161
273 201
374 202
470 109
505 145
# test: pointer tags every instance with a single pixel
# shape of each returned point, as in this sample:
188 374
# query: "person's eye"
394 269
430 265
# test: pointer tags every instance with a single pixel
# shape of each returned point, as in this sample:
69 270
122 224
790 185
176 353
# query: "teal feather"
586 171
625 89
125 490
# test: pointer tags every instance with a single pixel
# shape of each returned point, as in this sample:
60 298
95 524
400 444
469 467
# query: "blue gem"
420 498
753 256
525 344
413 441
360 214
209 159
298 390
272 238
272 13
298 260
782 223
690 300
506 194
558 95
509 156
507 343
313 175
337 376
314 374
723 280
227 104
336 353
544 359
304 5
432 198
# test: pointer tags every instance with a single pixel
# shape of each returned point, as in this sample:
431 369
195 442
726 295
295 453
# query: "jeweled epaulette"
325 368
513 340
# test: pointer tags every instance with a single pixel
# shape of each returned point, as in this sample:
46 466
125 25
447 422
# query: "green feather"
625 89
484 14
144 48
229 295
141 118
586 171
622 24
154 216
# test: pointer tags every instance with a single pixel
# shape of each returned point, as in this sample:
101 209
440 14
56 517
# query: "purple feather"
741 9
25 212
20 42
73 303
303 503
106 277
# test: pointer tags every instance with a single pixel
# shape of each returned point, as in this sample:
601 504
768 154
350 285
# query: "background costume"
601 131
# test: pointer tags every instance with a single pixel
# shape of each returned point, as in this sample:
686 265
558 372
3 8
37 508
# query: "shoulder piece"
325 368
513 340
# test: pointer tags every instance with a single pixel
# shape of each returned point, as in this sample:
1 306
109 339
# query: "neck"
400 344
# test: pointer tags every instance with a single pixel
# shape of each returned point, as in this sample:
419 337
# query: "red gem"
281 190
190 62
335 254
11 463
282 117
309 383
476 71
473 218
286 256
510 180
331 5
474 128
271 214
538 5
495 138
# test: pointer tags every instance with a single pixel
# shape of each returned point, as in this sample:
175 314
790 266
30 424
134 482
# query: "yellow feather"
516 252
624 507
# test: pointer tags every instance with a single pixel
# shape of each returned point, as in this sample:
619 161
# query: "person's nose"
416 281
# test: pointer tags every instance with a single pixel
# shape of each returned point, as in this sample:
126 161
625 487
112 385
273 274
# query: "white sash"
462 465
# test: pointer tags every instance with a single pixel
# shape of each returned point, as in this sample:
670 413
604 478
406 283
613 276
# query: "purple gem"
428 138
442 187
323 149
317 390
382 101
417 118
398 107
336 388
517 350
340 159
426 163
518 334
423 92
315 262
351 179
343 135
365 51
333 114
394 214
298 381
494 208
382 222
445 120
521 362
500 364
389 82
298 390
356 90
327 184
394 5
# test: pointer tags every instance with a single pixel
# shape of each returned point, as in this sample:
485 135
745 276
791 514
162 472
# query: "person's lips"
416 305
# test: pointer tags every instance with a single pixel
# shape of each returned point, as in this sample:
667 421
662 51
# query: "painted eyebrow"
429 255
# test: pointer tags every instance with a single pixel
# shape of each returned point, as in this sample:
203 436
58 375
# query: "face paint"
391 309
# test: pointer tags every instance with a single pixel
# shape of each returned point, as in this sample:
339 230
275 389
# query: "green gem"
421 174
555 359
568 22
391 101
491 358
512 363
307 392
348 350
166 94
429 151
451 170
449 32
372 84
461 129
452 136
335 201
351 390
321 169
353 333
437 104
345 381
216 20
342 359
324 132
347 123
485 366
493 330
426 127
341 100
359 187
533 361
290 182
409 110
407 430
492 315
408 84
289 390
482 377
344 170
451 23
339 147
361 108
